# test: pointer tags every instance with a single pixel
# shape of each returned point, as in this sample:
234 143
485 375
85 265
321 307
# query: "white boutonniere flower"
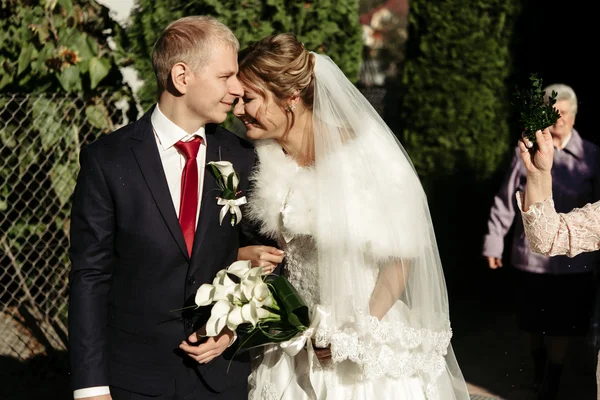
228 181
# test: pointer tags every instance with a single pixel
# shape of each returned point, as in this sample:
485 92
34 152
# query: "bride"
338 193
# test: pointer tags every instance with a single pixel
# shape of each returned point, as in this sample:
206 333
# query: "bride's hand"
266 257
322 353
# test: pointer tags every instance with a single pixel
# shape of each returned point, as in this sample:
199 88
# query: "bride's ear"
293 102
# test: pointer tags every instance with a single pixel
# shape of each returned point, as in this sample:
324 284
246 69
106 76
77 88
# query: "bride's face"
263 118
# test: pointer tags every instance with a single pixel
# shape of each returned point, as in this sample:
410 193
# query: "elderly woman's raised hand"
537 157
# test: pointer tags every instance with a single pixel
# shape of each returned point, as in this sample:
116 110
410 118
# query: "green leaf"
63 178
97 115
228 194
290 301
4 198
216 173
99 68
5 76
535 114
28 53
7 136
230 181
92 45
28 157
43 33
70 79
67 5
48 117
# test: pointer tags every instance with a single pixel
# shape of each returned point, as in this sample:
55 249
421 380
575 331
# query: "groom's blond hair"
189 40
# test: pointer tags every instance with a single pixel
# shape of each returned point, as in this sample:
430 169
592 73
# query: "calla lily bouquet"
261 309
228 181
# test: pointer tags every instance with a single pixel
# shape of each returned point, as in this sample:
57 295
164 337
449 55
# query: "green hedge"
451 109
453 101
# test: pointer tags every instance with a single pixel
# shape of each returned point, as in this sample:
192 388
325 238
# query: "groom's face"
214 88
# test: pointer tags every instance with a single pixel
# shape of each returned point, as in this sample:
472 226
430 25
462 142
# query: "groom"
145 232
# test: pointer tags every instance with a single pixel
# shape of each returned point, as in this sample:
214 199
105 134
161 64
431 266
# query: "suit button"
191 280
188 323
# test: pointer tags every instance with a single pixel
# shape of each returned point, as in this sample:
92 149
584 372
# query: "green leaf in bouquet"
534 112
290 302
252 337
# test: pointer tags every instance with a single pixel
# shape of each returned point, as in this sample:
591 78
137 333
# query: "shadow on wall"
44 376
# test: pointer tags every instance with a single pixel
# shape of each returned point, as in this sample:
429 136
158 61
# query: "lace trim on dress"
268 392
388 349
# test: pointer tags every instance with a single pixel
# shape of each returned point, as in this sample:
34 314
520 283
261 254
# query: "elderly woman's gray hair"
564 92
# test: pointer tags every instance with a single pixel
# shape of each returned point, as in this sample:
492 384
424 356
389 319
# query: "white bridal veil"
381 279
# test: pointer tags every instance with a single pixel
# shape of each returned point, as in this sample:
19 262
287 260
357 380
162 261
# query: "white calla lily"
255 273
247 287
262 313
205 295
226 169
235 318
225 292
261 296
250 314
218 317
223 279
240 268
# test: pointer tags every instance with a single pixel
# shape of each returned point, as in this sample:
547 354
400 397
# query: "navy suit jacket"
131 269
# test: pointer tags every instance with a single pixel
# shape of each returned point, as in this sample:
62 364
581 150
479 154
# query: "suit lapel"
148 159
209 210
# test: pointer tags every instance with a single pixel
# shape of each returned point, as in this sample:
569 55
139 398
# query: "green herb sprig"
535 114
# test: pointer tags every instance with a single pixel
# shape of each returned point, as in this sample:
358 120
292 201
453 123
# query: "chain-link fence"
40 139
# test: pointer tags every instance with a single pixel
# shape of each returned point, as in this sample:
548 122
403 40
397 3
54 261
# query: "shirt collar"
566 141
574 144
169 133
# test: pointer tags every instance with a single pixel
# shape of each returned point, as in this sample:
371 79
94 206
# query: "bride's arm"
390 285
266 257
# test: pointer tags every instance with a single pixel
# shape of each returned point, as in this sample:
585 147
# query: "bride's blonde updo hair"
281 65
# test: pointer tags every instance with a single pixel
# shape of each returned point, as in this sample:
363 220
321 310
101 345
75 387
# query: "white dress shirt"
166 134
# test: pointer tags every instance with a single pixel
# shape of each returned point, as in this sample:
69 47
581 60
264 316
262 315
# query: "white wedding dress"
384 367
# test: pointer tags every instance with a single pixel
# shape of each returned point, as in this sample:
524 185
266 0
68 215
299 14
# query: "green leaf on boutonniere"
535 112
228 194
230 181
215 172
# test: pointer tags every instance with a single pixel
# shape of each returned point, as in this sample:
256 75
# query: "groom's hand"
210 349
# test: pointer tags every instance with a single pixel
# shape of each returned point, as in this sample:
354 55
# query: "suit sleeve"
92 254
503 211
249 230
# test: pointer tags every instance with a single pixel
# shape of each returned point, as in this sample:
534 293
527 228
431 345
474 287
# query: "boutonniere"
228 181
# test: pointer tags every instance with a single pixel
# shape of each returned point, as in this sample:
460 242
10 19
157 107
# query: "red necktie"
189 190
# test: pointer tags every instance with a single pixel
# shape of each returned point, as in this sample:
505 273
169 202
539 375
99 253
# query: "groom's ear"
180 75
